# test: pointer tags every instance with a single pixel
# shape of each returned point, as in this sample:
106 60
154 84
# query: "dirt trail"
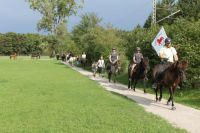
183 117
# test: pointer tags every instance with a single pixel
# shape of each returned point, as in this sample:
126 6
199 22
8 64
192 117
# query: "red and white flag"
159 40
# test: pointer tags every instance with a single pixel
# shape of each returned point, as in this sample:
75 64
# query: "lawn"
39 96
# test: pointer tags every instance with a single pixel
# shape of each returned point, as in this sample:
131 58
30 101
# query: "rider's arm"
174 54
161 54
110 58
134 60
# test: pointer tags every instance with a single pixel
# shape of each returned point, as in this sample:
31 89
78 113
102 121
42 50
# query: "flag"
159 40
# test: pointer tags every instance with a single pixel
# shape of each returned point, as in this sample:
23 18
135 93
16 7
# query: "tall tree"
54 12
54 15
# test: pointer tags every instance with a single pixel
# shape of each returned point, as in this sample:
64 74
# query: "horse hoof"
167 103
173 108
156 99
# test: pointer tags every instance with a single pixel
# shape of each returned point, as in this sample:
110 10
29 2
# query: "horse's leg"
161 88
114 77
135 82
145 84
156 91
109 76
170 98
129 83
173 89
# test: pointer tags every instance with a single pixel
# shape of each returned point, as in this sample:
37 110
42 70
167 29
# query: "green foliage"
54 13
95 40
190 9
20 43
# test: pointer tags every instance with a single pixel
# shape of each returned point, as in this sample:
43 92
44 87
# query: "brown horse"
13 56
35 55
170 78
139 73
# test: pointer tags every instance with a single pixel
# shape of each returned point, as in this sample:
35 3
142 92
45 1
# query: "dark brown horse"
35 55
139 73
170 78
13 56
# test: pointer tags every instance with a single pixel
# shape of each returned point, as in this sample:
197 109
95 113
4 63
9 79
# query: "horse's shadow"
135 97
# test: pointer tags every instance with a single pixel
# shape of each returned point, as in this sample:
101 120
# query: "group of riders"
167 54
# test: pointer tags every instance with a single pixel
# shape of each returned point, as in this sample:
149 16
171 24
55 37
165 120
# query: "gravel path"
183 117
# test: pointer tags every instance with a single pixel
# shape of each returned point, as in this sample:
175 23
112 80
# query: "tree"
190 9
54 12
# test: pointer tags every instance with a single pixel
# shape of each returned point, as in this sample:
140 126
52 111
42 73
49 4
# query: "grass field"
186 96
43 96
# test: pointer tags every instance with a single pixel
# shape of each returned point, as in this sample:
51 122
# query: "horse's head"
180 65
145 62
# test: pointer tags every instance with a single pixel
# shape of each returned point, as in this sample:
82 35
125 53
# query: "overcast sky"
16 16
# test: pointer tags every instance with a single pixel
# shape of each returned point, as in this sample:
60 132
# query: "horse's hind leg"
145 84
115 78
156 91
161 88
109 76
135 82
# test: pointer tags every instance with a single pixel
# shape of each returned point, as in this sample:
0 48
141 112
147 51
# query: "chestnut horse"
170 78
139 73
13 55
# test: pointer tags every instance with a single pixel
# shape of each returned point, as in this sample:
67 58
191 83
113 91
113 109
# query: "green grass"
186 96
38 96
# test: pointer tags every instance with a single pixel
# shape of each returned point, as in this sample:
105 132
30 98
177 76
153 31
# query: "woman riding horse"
139 71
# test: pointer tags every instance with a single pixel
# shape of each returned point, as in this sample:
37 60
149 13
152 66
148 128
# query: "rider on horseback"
168 55
113 58
137 57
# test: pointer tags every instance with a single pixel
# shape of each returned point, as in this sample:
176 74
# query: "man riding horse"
113 64
168 55
113 58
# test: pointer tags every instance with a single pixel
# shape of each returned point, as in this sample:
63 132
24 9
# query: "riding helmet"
138 49
167 40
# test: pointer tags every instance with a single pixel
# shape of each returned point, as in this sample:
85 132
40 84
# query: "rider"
113 58
101 65
83 56
137 57
168 55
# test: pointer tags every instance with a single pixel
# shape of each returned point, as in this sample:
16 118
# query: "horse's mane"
174 72
178 66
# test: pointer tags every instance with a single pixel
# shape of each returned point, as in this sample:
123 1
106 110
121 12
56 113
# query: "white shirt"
168 53
83 56
101 63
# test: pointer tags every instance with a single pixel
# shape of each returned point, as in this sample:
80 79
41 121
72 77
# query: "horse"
13 56
139 73
112 69
170 78
72 60
35 55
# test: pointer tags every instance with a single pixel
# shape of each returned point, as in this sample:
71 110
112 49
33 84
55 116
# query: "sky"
16 16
